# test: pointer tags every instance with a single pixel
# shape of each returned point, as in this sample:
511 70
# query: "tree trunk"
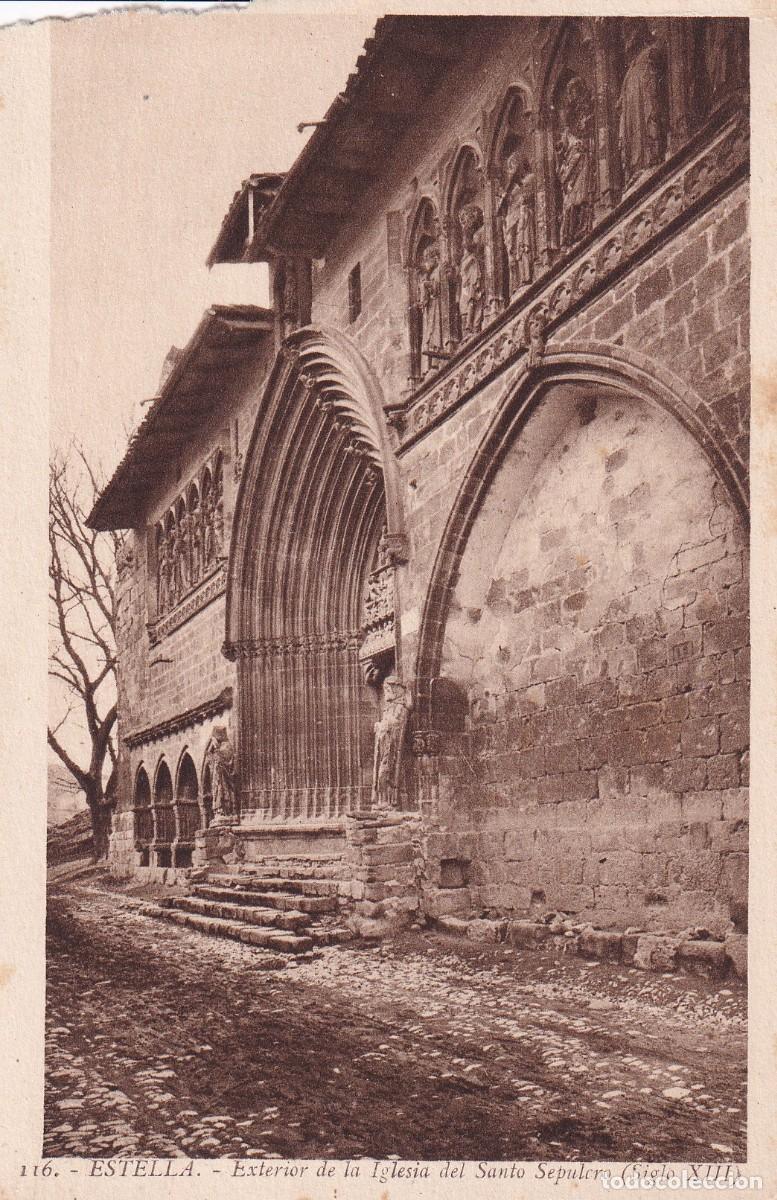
100 813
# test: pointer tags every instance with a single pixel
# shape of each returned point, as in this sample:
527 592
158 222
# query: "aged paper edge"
24 342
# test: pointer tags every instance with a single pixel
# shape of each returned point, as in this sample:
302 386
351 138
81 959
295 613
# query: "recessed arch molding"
612 371
318 501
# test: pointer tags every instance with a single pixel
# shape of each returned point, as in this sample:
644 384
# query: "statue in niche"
642 120
430 305
196 543
163 572
471 290
534 336
176 581
218 528
184 551
221 760
725 56
516 214
383 555
289 299
389 739
207 531
574 164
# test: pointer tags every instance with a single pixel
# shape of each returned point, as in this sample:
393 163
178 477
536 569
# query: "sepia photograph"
398 544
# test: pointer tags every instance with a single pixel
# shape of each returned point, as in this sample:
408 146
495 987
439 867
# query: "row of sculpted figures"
610 100
190 538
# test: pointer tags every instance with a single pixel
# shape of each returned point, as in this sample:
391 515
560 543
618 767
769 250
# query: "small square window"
354 293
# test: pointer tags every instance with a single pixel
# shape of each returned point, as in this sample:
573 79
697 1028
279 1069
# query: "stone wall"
598 633
184 669
576 546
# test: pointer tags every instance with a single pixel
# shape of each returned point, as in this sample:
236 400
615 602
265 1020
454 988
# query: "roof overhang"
402 64
238 228
225 341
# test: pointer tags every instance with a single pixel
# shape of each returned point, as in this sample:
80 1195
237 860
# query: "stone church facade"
436 576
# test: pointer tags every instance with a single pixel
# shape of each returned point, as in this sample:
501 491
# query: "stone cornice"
342 639
207 591
192 716
687 183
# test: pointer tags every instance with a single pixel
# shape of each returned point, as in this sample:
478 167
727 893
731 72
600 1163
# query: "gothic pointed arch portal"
311 586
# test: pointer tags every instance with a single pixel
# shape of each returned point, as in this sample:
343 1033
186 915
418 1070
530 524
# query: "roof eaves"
261 318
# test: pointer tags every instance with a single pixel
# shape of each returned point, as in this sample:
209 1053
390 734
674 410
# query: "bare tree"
82 655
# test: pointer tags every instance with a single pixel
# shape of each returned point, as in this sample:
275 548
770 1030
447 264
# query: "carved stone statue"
383 555
574 165
208 552
516 212
196 543
471 290
642 124
218 528
725 56
429 304
163 581
389 738
221 760
176 581
185 552
534 336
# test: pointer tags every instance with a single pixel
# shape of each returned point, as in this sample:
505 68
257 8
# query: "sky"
156 120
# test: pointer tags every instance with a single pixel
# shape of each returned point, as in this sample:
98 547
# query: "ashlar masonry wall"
599 632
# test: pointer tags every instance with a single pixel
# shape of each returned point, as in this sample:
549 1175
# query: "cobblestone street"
163 1042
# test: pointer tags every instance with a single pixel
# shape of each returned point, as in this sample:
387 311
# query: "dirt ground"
164 1042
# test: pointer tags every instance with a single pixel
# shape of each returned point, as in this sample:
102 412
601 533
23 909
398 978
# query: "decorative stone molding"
426 742
704 167
271 647
192 716
209 589
315 803
188 542
379 634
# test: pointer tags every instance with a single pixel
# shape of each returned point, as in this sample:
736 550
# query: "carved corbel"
534 336
397 548
308 382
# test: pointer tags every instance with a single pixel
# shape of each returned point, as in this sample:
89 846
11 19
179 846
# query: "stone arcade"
434 600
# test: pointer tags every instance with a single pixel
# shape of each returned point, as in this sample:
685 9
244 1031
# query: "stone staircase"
289 905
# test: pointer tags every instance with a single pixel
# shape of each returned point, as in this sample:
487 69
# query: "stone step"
296 922
276 883
252 935
331 937
321 866
287 901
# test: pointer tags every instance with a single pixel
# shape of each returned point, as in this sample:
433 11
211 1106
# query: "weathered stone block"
699 738
384 855
527 933
454 925
447 902
482 930
601 943
736 951
655 952
704 958
629 946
